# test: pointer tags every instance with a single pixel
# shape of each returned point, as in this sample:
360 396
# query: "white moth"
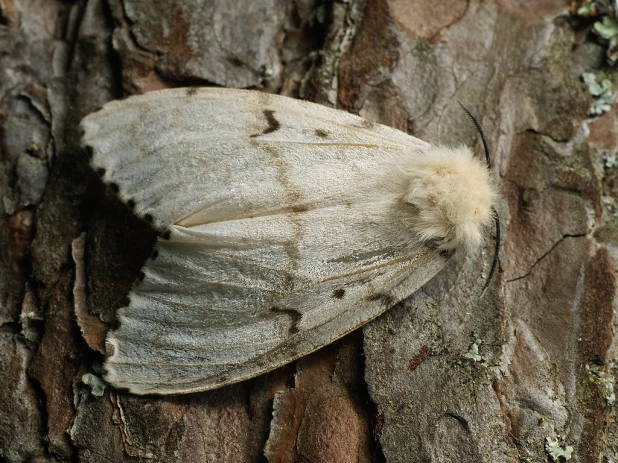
285 225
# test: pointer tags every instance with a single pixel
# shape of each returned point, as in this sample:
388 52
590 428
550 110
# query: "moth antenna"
481 133
494 262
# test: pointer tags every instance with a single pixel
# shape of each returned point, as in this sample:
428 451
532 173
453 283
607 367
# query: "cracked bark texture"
404 388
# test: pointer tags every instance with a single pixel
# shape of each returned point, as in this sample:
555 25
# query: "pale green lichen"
606 26
97 385
588 9
603 92
611 162
557 451
473 351
610 399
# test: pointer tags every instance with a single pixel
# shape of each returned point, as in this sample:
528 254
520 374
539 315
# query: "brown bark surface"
405 388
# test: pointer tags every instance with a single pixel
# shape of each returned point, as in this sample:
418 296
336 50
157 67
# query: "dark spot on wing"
271 120
294 315
384 298
190 91
321 133
100 172
339 293
148 218
131 204
140 277
154 254
273 123
114 187
166 235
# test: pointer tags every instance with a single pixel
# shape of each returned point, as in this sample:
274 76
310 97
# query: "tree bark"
409 386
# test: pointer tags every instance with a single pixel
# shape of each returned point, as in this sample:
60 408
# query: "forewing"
195 156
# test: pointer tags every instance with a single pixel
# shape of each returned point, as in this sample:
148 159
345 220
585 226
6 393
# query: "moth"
283 226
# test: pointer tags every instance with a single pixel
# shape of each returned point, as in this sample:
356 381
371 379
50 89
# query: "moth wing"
227 301
195 156
285 231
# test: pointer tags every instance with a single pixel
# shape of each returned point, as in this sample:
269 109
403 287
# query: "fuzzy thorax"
452 193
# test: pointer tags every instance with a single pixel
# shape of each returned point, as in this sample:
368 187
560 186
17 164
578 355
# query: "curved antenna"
481 133
494 262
